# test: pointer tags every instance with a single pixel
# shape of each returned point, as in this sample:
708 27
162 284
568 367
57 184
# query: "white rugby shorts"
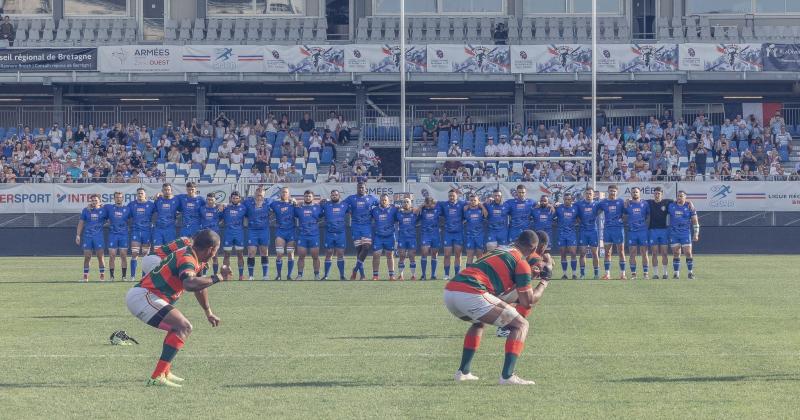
473 306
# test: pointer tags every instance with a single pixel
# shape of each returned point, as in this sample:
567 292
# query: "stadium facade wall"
714 240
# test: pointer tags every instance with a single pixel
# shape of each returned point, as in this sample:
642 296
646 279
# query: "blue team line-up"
592 226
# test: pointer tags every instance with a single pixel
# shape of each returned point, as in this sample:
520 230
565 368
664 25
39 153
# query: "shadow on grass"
393 337
309 384
736 378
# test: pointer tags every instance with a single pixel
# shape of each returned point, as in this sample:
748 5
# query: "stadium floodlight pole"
403 139
594 94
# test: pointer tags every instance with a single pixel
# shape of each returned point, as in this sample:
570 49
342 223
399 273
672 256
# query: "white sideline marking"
395 355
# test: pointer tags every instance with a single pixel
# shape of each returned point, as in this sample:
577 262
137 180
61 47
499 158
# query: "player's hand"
695 238
78 240
225 272
213 319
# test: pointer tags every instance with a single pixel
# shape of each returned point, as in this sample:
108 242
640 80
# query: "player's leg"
622 258
328 259
315 261
664 251
101 262
434 260
290 247
448 251
123 261
582 260
280 249
633 250
676 260
687 252
411 253
252 250
401 261
112 256
645 260
263 251
654 258
563 253
457 250
472 341
573 262
136 248
340 260
607 260
390 259
376 260
240 259
426 250
302 251
518 332
180 330
87 260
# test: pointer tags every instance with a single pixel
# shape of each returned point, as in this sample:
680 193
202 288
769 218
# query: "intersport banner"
743 196
781 57
140 59
637 58
48 59
303 58
222 58
469 58
560 58
720 57
371 58
72 198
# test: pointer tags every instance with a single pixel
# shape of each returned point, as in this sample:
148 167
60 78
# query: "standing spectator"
468 126
443 125
7 30
332 123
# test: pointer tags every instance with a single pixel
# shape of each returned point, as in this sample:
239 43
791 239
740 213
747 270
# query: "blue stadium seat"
455 135
492 131
555 153
394 133
271 137
369 132
279 138
504 130
327 156
743 145
417 131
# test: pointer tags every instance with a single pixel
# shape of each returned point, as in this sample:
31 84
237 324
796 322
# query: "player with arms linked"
658 237
567 215
142 213
89 235
152 299
497 220
118 215
233 216
308 214
283 208
452 211
474 217
257 212
166 209
682 218
430 236
360 206
335 212
384 216
636 212
407 238
587 214
210 216
613 231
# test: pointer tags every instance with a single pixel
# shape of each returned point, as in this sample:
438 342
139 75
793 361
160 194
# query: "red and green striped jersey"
164 250
165 280
497 272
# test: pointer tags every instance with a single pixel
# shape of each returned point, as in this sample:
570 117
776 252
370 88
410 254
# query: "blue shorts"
258 237
432 240
499 236
234 238
163 236
360 232
680 238
383 243
451 239
513 234
92 241
588 237
474 242
190 230
638 238
142 236
407 242
335 240
658 237
308 242
614 235
567 239
288 235
118 240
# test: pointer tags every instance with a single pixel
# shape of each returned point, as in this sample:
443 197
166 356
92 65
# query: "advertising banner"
742 196
560 58
449 58
366 58
140 59
781 57
637 58
303 58
720 57
222 59
48 59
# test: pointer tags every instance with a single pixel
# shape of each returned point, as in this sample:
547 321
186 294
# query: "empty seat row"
702 29
69 32
246 31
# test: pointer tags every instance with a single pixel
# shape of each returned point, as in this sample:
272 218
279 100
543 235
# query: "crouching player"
472 296
151 299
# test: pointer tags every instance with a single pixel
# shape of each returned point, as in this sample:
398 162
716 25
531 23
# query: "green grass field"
723 346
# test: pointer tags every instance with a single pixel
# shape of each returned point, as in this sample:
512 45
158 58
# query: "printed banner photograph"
637 58
140 59
561 58
781 57
444 58
365 58
48 59
304 59
222 59
720 57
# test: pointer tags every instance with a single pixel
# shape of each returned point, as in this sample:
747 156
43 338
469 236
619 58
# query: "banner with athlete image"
222 59
742 196
637 58
440 190
780 57
366 58
720 57
140 59
323 190
469 58
304 58
560 58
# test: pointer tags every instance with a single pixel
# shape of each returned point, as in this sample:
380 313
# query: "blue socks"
676 264
607 265
279 266
328 264
689 264
264 266
134 265
573 264
340 266
290 268
251 265
434 262
424 261
564 266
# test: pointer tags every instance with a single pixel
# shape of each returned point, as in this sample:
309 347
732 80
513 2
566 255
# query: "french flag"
762 111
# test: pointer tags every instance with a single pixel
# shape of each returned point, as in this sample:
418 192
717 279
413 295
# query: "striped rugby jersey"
165 280
164 250
497 272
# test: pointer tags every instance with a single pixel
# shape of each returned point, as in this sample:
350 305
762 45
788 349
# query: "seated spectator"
284 124
287 149
437 176
503 148
255 176
332 123
284 164
315 142
343 135
300 151
429 128
186 156
455 150
237 156
7 30
333 174
270 176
